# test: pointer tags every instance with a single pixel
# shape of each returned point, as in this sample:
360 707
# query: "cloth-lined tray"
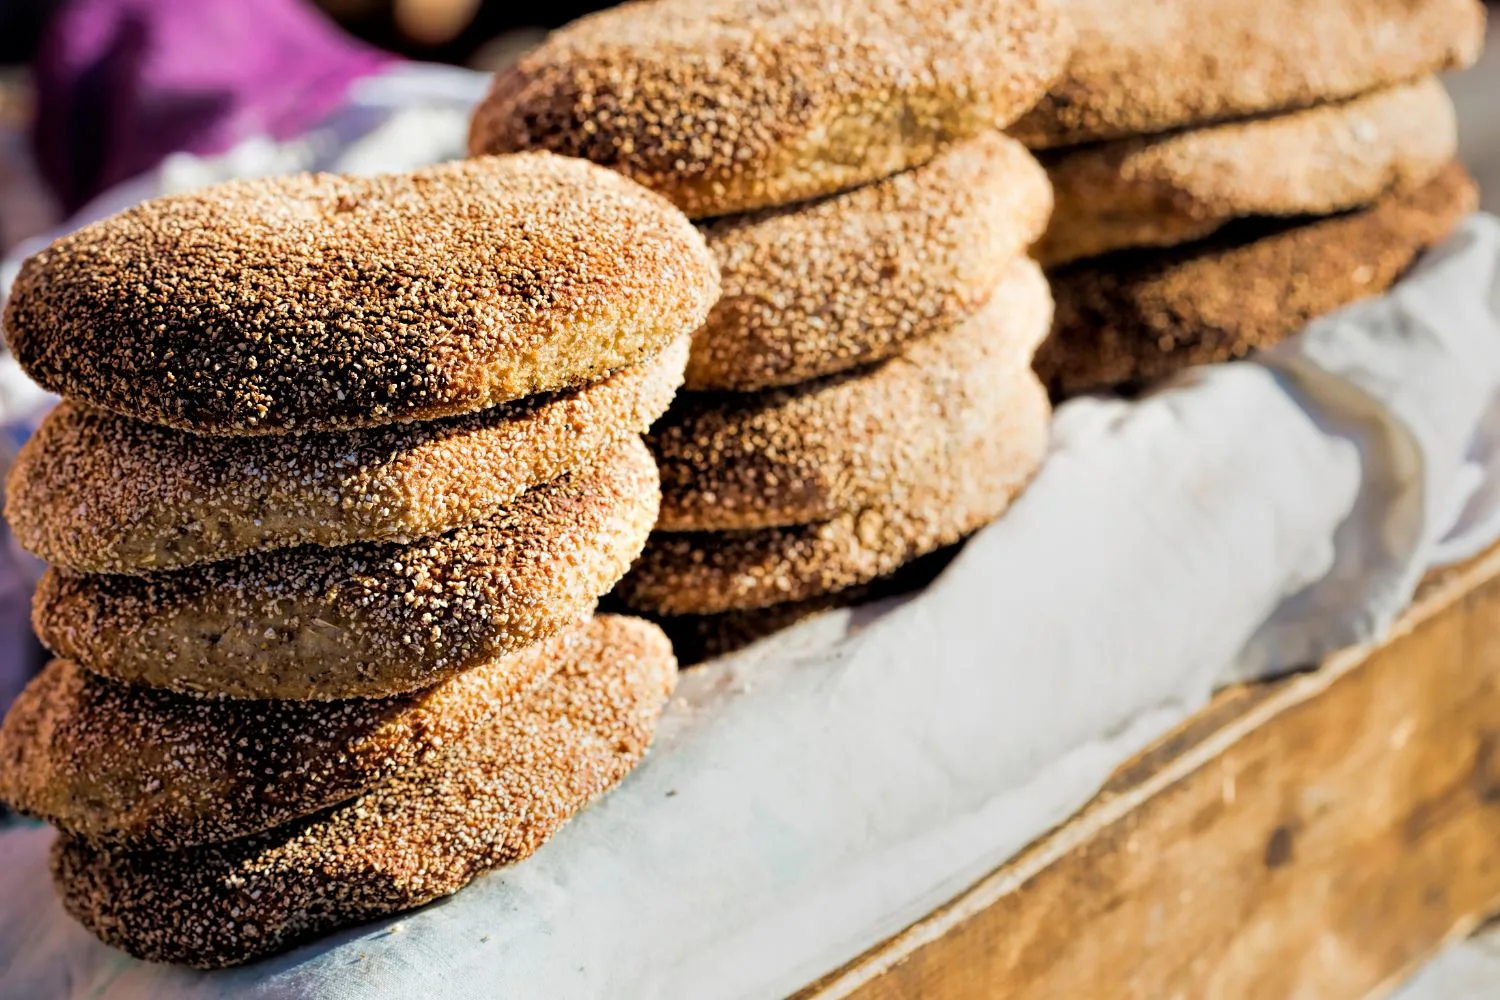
818 791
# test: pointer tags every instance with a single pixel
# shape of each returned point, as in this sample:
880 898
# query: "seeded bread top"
323 302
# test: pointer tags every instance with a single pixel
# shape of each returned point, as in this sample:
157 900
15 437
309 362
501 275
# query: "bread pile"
861 395
1227 171
342 467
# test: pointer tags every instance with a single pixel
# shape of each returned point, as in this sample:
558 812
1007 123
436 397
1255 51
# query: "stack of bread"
342 467
862 394
1227 171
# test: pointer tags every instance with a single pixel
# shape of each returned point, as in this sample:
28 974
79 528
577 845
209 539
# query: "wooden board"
1317 837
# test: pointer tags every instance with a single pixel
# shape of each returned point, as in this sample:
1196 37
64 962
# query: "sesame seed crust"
696 638
419 836
1139 69
128 766
846 442
729 105
324 302
1162 191
369 620
1138 316
711 572
822 287
95 492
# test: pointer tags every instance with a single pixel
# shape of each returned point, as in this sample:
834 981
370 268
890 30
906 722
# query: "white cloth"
820 790
1465 970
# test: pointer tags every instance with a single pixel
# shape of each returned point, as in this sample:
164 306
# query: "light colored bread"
697 638
822 287
1136 317
1167 190
95 492
128 766
324 302
369 620
871 437
1143 68
710 572
423 834
729 105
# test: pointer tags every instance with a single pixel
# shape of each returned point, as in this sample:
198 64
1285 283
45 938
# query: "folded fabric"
824 788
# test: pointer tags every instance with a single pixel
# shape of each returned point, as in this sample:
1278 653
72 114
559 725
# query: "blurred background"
475 34
37 192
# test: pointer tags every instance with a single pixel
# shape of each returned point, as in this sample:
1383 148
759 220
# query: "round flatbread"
709 572
823 287
1143 68
95 492
1169 190
1138 316
420 835
868 438
324 302
696 638
128 766
368 620
730 105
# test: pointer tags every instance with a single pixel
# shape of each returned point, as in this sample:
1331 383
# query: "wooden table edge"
1247 708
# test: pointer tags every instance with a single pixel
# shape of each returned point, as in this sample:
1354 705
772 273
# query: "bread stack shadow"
861 396
342 467
1227 172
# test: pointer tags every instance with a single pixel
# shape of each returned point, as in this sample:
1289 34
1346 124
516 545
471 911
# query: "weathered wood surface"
1317 837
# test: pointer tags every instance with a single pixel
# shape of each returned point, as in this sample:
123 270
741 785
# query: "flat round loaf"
730 105
1138 316
710 572
823 287
419 836
872 437
324 302
369 620
122 765
1142 68
696 638
1163 191
95 492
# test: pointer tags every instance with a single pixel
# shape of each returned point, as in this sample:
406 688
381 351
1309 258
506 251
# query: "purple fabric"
123 83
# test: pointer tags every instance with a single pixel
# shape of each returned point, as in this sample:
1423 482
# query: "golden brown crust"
1139 316
823 287
369 620
1161 191
121 765
730 105
710 572
323 302
418 836
95 492
696 638
846 442
1142 68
